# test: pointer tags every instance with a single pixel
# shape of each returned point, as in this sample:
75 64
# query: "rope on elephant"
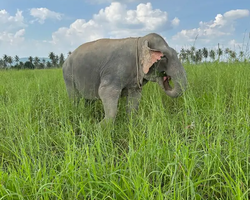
137 65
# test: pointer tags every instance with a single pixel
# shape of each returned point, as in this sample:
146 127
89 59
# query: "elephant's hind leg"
73 93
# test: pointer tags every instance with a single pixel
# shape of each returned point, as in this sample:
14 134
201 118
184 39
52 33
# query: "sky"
38 27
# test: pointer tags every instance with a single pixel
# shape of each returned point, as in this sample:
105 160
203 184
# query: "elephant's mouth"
166 80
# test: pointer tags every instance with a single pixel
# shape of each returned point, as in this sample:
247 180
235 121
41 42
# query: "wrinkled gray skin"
109 68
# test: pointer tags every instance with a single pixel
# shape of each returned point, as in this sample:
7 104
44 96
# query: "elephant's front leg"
133 99
109 96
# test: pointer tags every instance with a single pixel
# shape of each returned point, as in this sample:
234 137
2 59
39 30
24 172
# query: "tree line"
189 55
196 56
55 61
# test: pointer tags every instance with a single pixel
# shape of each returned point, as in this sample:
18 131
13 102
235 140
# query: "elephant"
108 69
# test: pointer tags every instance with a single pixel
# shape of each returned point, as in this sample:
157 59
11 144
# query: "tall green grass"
193 147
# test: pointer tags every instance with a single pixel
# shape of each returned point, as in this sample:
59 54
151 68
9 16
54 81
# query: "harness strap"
137 64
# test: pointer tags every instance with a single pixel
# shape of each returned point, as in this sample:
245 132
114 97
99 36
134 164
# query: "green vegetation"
193 147
55 61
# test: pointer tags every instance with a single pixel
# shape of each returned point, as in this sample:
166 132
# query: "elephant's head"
160 64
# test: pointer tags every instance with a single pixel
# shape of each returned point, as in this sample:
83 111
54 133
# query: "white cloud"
121 1
11 40
233 44
115 21
78 31
143 18
11 31
175 22
41 14
221 26
10 23
236 14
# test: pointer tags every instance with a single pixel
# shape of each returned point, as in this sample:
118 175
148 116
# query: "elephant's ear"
149 57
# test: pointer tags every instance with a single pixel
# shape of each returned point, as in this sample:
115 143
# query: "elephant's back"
103 48
92 57
88 61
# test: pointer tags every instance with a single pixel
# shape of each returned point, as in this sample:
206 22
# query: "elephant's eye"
162 74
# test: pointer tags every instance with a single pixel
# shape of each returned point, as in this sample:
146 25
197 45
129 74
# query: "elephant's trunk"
180 84
178 89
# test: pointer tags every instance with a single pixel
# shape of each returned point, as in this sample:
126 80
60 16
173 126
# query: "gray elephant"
107 69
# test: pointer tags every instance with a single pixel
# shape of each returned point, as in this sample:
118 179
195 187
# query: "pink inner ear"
150 59
155 55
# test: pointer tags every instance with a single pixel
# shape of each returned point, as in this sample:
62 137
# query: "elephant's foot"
106 123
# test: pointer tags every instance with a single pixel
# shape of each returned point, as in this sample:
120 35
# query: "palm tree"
43 63
52 58
5 60
48 64
36 62
192 49
17 59
29 65
10 60
241 56
182 55
232 55
30 59
192 53
61 60
193 58
219 52
21 65
197 56
188 55
56 60
205 53
227 52
212 55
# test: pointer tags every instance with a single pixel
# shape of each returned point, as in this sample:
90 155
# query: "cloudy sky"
37 27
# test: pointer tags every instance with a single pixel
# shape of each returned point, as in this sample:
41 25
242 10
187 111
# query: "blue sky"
37 27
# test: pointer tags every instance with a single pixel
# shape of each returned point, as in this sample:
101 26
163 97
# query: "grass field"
193 147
